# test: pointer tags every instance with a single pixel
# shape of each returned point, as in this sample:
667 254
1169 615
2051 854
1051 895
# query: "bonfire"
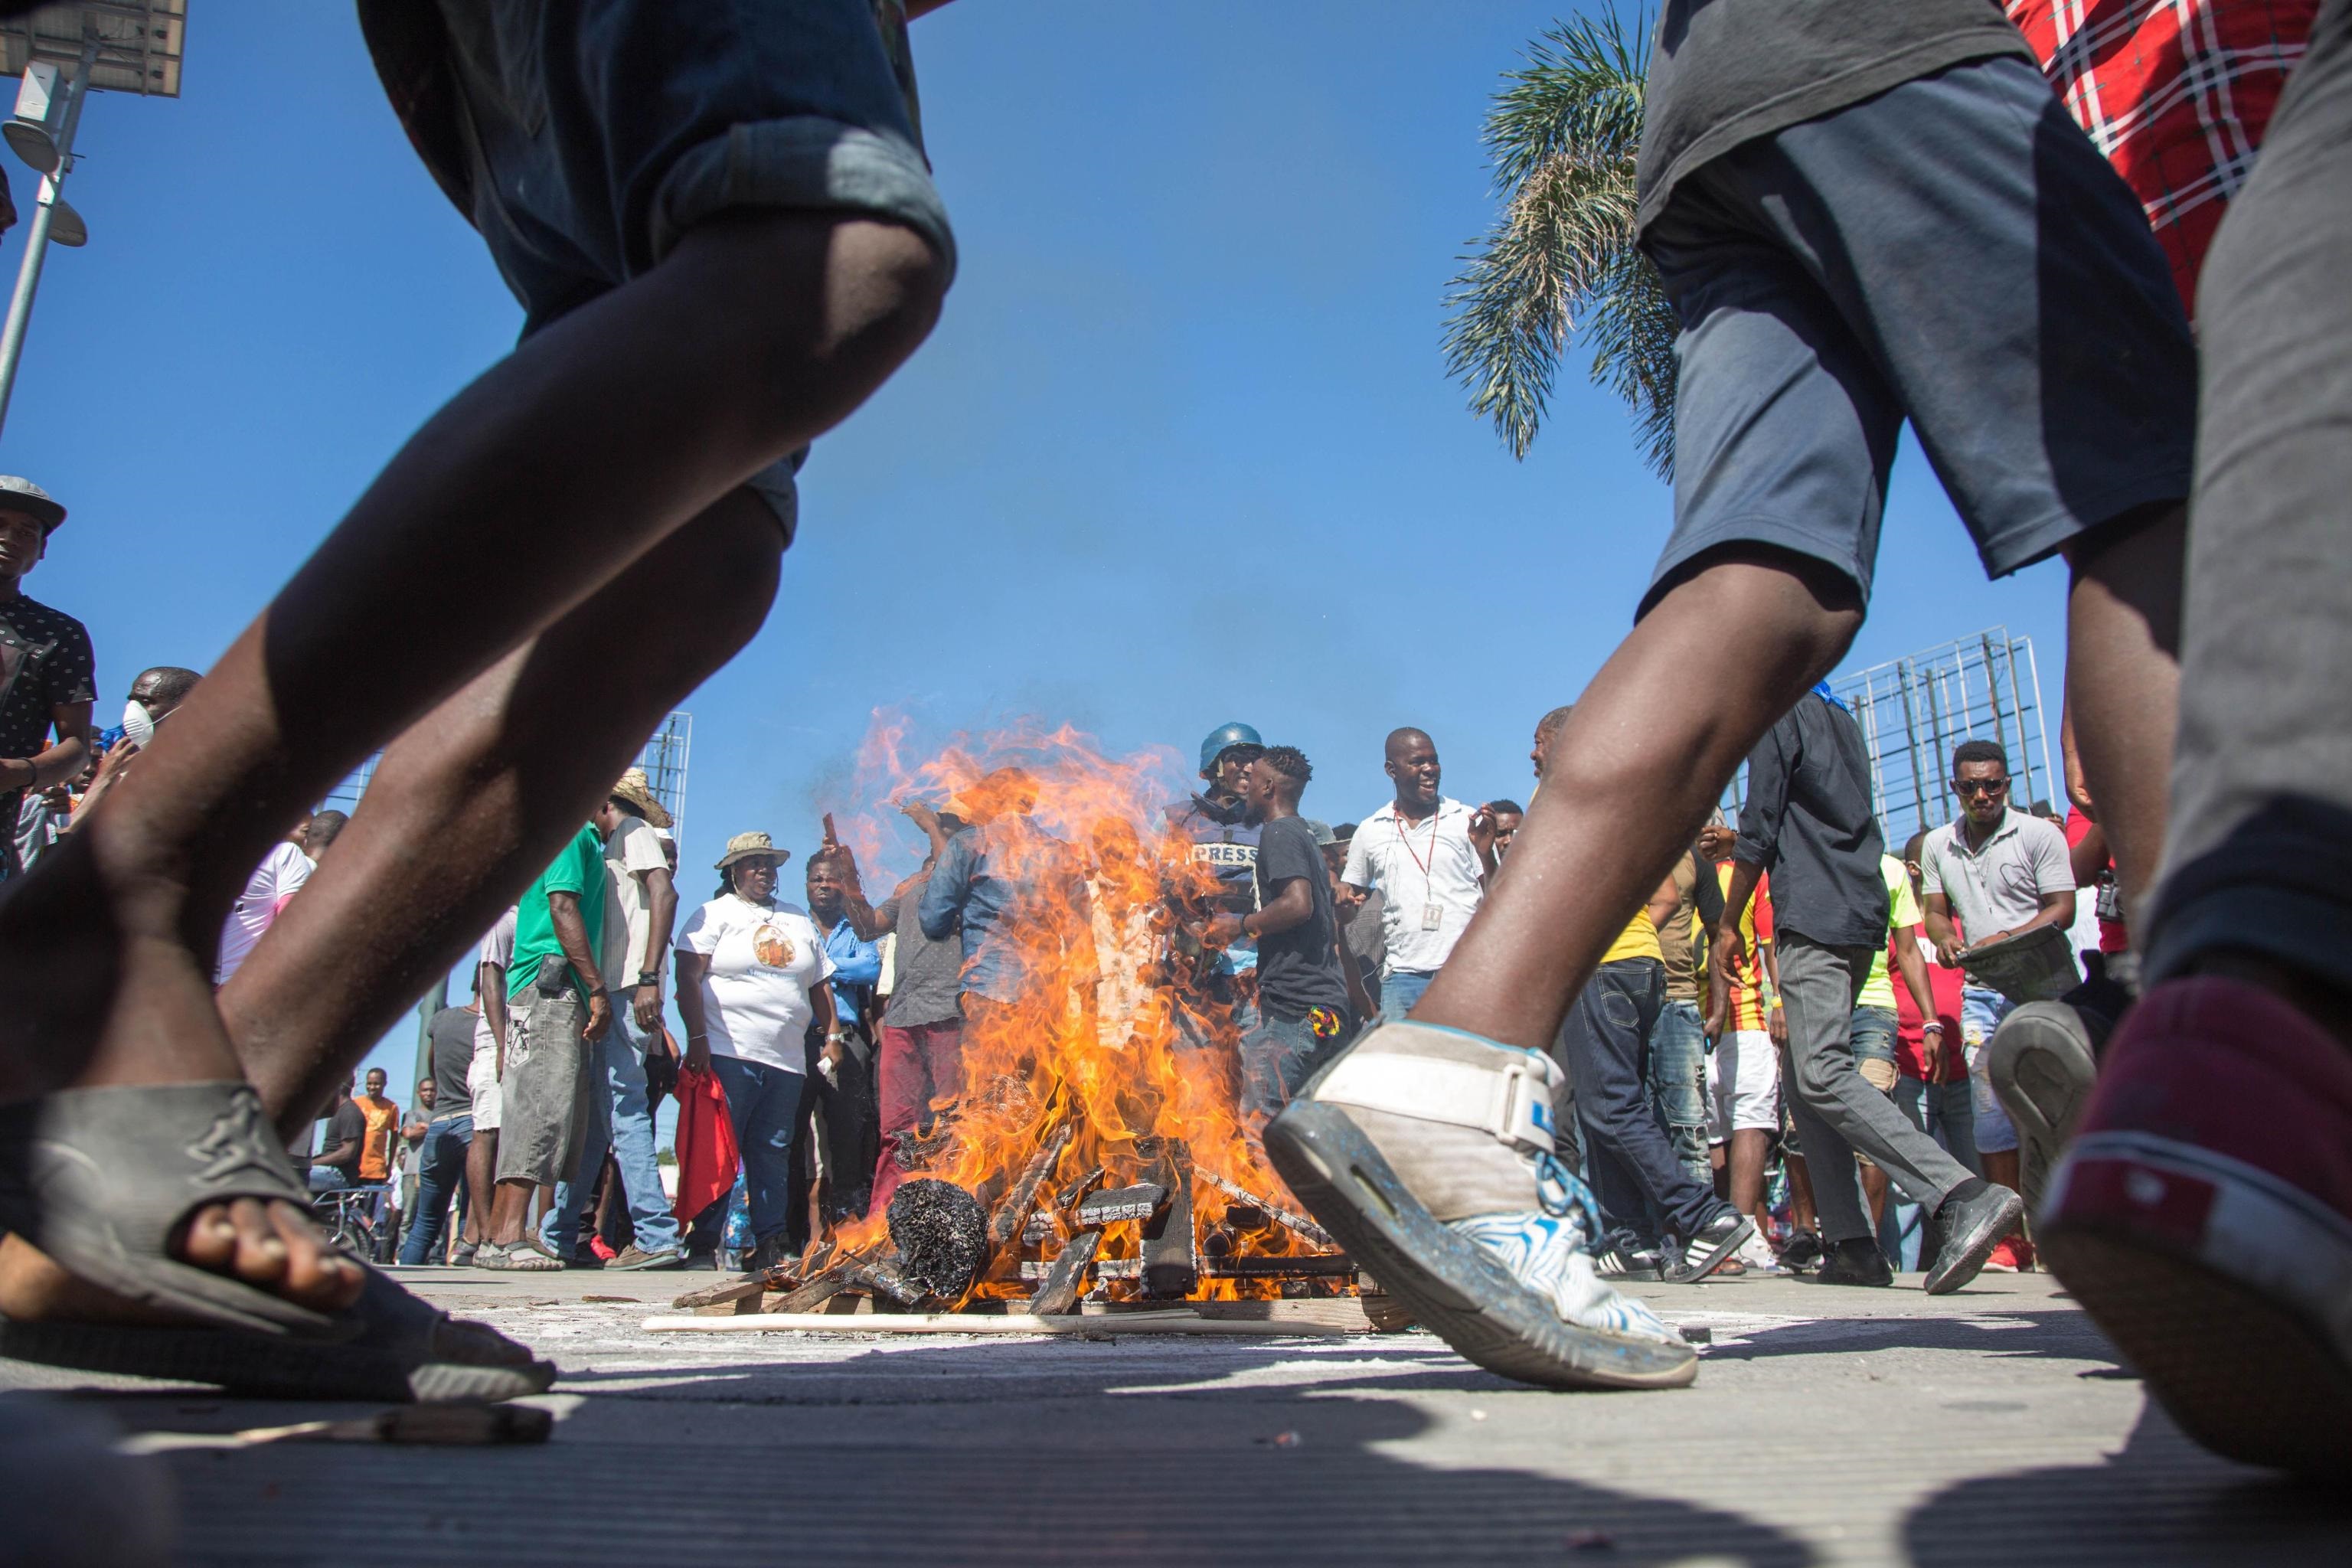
1095 1156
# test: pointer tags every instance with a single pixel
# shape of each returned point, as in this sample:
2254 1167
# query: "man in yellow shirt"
1604 1045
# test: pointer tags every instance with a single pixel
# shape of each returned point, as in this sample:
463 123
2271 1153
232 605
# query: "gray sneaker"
2043 1063
633 1257
1967 1230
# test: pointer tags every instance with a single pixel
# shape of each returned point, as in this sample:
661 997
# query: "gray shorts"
600 131
545 1111
1954 251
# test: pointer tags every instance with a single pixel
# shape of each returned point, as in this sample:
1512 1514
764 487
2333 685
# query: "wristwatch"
648 977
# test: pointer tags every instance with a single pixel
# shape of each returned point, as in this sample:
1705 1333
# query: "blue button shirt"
965 889
856 970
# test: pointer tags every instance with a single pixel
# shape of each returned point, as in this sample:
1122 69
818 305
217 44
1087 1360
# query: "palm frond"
1562 134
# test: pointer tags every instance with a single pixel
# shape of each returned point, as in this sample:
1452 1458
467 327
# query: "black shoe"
1967 1230
1640 1263
1805 1250
1717 1240
1856 1262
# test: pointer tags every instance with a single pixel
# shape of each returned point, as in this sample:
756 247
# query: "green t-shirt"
1902 910
580 869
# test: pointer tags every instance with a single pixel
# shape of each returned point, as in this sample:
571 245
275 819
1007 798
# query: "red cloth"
2177 95
2112 937
706 1155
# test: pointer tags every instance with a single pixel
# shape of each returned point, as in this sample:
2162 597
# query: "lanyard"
1419 864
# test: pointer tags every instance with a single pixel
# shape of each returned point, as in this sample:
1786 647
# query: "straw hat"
638 791
743 846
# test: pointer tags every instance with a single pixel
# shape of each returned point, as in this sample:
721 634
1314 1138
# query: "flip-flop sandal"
521 1257
103 1180
1455 1288
404 1349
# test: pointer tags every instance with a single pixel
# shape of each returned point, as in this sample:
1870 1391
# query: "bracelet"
1931 1024
691 1038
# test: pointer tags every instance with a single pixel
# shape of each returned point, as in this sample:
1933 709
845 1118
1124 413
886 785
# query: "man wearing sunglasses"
2005 873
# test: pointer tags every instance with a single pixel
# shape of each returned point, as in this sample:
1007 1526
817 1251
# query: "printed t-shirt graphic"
1747 1009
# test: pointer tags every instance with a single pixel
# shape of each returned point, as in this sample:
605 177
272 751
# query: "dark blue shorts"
1954 251
600 131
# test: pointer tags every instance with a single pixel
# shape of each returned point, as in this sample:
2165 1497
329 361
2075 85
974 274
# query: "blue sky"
1181 449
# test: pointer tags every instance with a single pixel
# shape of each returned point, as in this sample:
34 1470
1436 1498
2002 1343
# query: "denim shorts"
599 132
1955 251
1873 1033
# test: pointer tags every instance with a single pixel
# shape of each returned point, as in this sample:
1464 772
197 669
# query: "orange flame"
1103 1032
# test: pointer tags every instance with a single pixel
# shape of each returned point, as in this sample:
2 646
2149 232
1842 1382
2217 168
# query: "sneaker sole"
2242 1375
2042 1071
1970 1251
646 1266
1451 1288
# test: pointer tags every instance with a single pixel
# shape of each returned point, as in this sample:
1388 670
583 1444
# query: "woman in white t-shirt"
750 976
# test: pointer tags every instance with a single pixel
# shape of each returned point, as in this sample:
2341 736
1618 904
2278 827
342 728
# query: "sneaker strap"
1510 1101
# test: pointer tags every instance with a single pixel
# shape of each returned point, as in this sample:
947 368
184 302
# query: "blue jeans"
618 1118
1605 1044
1277 1056
440 1177
1678 1083
328 1179
763 1103
1982 1012
1401 990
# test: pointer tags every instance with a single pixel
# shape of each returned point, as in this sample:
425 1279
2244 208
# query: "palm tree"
1561 264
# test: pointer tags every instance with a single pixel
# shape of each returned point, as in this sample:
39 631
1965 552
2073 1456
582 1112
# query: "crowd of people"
1861 216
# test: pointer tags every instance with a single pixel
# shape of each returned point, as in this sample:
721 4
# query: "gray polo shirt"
1998 885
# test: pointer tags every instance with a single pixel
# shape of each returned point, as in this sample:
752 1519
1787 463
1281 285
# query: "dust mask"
138 727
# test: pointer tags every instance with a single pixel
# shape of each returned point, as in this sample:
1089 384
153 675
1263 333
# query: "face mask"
138 728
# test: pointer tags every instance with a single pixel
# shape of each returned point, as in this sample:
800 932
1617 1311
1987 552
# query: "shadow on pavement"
2060 1334
982 1459
2162 1501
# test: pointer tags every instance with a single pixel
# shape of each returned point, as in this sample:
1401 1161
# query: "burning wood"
1170 1267
1066 1276
1139 1201
1297 1225
1013 1213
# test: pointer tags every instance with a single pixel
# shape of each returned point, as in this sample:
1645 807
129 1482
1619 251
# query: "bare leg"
1802 1213
1873 1193
1749 1148
473 781
2123 685
481 1182
603 435
1632 774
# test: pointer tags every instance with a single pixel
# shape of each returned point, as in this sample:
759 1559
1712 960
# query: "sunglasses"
1980 786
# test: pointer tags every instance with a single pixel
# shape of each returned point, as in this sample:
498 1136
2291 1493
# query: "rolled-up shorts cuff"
1833 548
805 162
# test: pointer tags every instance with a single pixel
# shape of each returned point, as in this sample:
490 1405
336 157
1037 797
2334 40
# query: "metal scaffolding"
663 757
1914 710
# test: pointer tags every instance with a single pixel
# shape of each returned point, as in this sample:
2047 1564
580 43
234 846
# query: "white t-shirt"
764 961
1415 866
498 948
277 879
634 847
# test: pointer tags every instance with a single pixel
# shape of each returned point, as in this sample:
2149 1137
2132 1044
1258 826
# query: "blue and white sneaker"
1428 1152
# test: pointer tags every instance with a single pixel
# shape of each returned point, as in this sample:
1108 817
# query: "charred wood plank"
1334 1267
1140 1201
811 1296
722 1293
1170 1267
885 1278
1012 1214
1299 1225
1069 1196
1066 1276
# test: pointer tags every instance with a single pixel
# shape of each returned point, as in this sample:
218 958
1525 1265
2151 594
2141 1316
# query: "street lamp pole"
37 237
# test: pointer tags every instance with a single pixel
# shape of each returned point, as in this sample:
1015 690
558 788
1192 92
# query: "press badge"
1432 916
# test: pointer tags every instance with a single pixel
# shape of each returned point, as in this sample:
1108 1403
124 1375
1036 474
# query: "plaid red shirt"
2176 93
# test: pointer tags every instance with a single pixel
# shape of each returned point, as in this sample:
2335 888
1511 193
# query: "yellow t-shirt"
1902 910
1638 940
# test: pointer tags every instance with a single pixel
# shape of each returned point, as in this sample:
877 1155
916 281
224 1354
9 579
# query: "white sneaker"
1428 1151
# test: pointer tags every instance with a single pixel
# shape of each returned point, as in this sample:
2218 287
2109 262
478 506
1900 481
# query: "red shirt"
2112 937
2177 97
1944 984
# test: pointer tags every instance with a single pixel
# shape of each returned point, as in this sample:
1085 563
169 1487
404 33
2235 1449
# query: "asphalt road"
1992 1427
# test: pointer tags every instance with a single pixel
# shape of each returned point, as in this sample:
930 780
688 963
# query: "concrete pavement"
1992 1427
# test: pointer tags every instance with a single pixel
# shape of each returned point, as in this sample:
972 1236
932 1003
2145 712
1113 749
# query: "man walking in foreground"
724 236
1796 159
2204 1215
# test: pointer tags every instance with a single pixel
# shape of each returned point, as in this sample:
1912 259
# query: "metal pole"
1911 739
2041 713
36 238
